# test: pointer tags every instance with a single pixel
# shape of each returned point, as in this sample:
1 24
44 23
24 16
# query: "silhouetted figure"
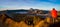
54 14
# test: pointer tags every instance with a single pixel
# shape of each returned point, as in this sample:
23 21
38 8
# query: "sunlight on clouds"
26 4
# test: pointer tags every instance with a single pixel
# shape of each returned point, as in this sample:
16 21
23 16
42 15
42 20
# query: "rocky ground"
29 21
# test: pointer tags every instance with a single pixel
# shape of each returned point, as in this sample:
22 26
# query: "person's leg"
56 20
53 20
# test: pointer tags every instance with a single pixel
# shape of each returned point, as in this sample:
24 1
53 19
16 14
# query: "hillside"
24 20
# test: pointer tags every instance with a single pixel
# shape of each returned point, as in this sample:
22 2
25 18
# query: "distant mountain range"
14 11
10 12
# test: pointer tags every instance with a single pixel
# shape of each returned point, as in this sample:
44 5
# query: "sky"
26 4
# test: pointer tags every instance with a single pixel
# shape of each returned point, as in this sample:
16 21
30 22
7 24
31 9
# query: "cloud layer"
40 4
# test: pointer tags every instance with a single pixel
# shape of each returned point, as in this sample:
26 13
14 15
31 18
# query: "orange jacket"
54 13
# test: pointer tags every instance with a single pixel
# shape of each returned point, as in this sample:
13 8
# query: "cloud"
26 4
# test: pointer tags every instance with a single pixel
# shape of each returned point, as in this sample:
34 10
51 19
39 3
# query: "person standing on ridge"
54 14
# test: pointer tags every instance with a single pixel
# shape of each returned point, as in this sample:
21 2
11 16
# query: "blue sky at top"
26 4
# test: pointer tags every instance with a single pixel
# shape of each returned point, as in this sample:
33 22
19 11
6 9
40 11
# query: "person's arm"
50 12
